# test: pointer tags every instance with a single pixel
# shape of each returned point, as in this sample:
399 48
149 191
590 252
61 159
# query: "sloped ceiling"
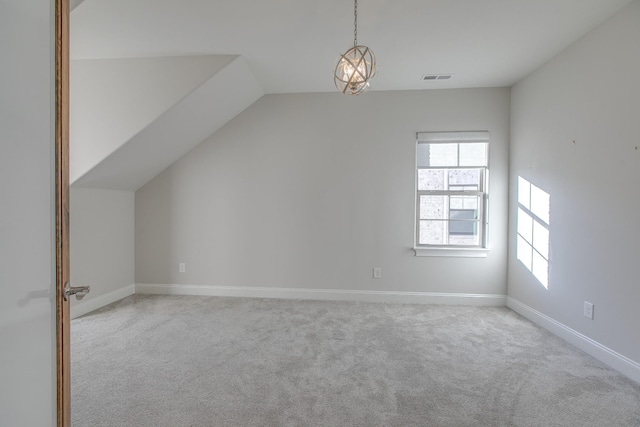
114 99
131 118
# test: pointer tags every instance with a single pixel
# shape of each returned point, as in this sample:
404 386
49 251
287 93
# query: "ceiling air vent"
437 76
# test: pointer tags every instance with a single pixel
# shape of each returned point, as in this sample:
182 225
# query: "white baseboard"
610 357
326 294
81 308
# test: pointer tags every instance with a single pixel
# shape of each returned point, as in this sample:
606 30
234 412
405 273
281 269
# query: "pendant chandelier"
357 66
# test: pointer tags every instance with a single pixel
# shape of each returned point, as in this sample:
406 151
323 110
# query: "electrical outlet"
182 267
377 273
588 310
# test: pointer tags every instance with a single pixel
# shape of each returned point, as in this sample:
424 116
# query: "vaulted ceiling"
292 45
151 79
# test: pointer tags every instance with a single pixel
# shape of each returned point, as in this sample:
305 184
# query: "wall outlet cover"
588 310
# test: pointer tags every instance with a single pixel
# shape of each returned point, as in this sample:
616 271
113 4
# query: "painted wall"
102 242
27 277
589 94
313 191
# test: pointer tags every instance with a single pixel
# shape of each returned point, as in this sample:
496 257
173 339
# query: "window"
451 197
532 244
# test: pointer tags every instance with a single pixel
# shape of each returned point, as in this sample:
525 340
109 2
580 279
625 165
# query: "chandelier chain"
355 22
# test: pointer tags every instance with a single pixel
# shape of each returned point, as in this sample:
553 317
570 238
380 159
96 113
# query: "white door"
27 262
28 374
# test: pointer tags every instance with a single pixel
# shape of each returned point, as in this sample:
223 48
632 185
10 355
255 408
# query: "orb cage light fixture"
357 66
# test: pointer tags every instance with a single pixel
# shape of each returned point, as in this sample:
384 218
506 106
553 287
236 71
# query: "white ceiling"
292 45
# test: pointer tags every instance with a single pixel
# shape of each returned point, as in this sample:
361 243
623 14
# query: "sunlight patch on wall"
532 246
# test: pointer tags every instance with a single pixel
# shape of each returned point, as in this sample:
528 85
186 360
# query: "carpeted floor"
206 361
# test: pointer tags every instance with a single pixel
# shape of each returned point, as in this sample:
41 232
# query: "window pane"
472 239
464 179
432 233
456 202
540 203
541 239
471 202
473 154
434 207
463 214
463 228
523 252
524 190
525 226
440 155
431 179
462 233
467 203
423 155
540 269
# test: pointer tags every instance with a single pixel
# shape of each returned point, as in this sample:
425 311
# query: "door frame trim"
62 318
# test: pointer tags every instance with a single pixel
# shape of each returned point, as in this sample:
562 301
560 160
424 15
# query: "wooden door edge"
63 374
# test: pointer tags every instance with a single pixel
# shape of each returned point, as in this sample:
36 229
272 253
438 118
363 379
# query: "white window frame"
482 192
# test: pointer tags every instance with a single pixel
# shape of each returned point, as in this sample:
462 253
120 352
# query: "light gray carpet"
206 361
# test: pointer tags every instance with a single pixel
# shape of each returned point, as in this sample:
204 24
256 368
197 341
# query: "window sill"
452 252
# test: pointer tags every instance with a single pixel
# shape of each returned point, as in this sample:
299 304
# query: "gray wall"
27 277
589 94
102 240
313 191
